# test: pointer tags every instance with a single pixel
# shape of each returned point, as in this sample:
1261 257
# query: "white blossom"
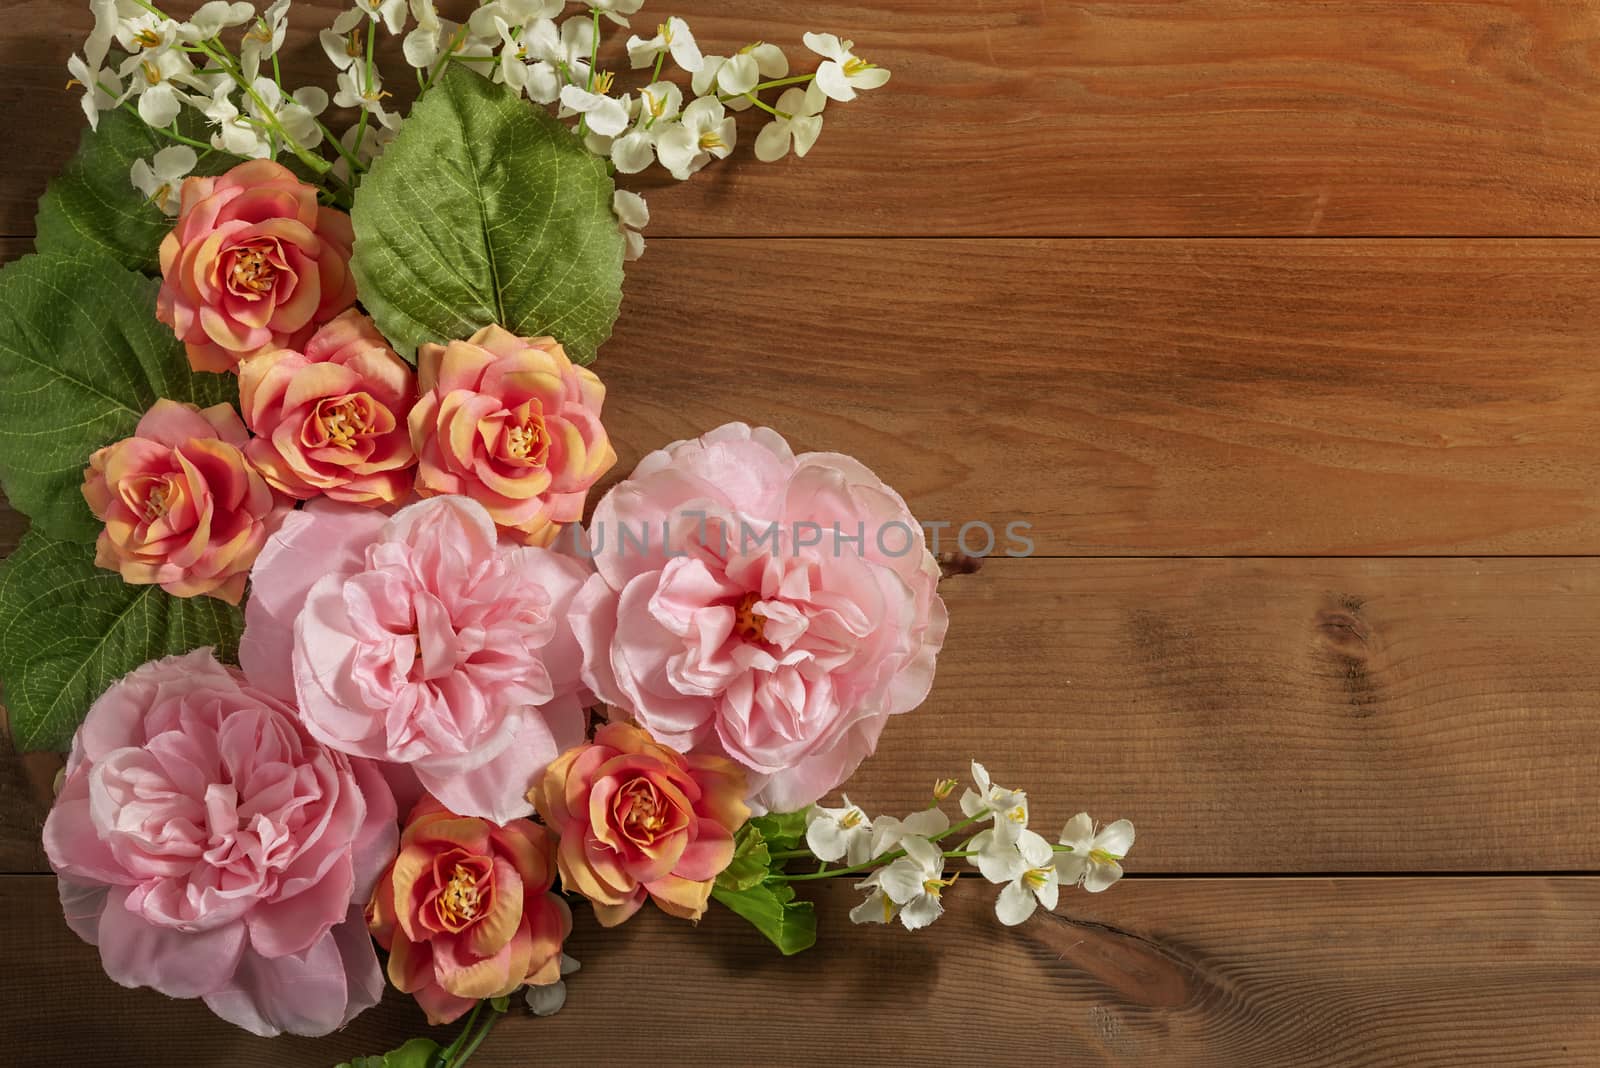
914 883
264 39
1092 857
606 115
374 139
617 10
423 44
391 12
155 77
89 70
236 134
1007 808
834 833
659 104
842 71
296 114
1026 868
673 37
706 131
160 178
343 42
878 907
798 124
749 66
889 833
214 17
359 89
632 215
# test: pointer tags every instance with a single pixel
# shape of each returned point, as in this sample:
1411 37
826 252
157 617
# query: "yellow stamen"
522 441
943 789
1036 878
747 622
712 139
156 504
1100 856
252 271
353 46
152 73
459 902
603 81
934 887
851 819
856 65
147 38
1019 814
888 909
342 423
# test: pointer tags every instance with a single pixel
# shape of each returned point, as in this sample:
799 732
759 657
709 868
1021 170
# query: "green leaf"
782 831
82 357
487 210
92 205
418 1053
751 863
69 629
788 924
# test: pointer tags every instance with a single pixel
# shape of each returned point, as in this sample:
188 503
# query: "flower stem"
445 57
446 1054
875 861
655 75
594 57
780 83
477 1039
366 84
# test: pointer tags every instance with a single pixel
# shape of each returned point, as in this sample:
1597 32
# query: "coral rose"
420 640
181 504
513 424
466 911
789 610
331 420
638 819
253 262
211 848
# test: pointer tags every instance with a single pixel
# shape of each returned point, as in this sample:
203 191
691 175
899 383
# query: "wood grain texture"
1037 117
1211 973
1151 397
1266 715
1138 397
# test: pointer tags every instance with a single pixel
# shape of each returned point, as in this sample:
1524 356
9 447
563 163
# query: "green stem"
477 1039
366 84
780 83
768 108
594 57
445 57
655 75
450 1051
875 861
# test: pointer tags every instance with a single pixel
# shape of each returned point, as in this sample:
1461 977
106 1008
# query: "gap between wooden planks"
1250 715
1212 973
1045 117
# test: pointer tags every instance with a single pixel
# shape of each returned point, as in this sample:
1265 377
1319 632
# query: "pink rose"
796 610
420 640
513 424
210 848
181 504
252 262
331 420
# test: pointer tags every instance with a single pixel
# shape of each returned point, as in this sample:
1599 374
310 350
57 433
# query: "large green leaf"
92 204
485 210
81 358
69 629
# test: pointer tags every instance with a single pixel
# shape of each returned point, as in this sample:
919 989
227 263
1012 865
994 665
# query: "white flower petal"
772 143
1035 850
159 105
806 129
685 50
1102 876
902 880
831 80
877 908
871 78
927 823
1071 868
825 838
630 209
1116 839
1078 833
739 75
770 60
825 45
1015 904
921 912
1049 894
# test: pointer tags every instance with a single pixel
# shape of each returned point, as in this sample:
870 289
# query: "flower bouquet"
306 429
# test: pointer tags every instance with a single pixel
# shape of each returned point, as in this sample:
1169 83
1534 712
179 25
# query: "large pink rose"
252 263
182 506
331 420
420 640
212 849
512 423
790 610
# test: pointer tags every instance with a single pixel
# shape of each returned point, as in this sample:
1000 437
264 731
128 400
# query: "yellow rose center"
253 271
524 442
158 502
343 421
747 622
459 902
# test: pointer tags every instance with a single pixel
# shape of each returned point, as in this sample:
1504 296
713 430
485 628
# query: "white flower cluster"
172 64
908 862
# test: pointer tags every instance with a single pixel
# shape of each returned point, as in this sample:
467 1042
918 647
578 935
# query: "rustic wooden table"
1268 316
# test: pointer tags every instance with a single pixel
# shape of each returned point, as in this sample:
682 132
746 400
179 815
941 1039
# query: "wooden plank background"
1276 320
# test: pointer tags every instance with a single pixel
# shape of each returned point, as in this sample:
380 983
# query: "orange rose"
466 911
513 424
181 504
637 819
330 420
252 263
